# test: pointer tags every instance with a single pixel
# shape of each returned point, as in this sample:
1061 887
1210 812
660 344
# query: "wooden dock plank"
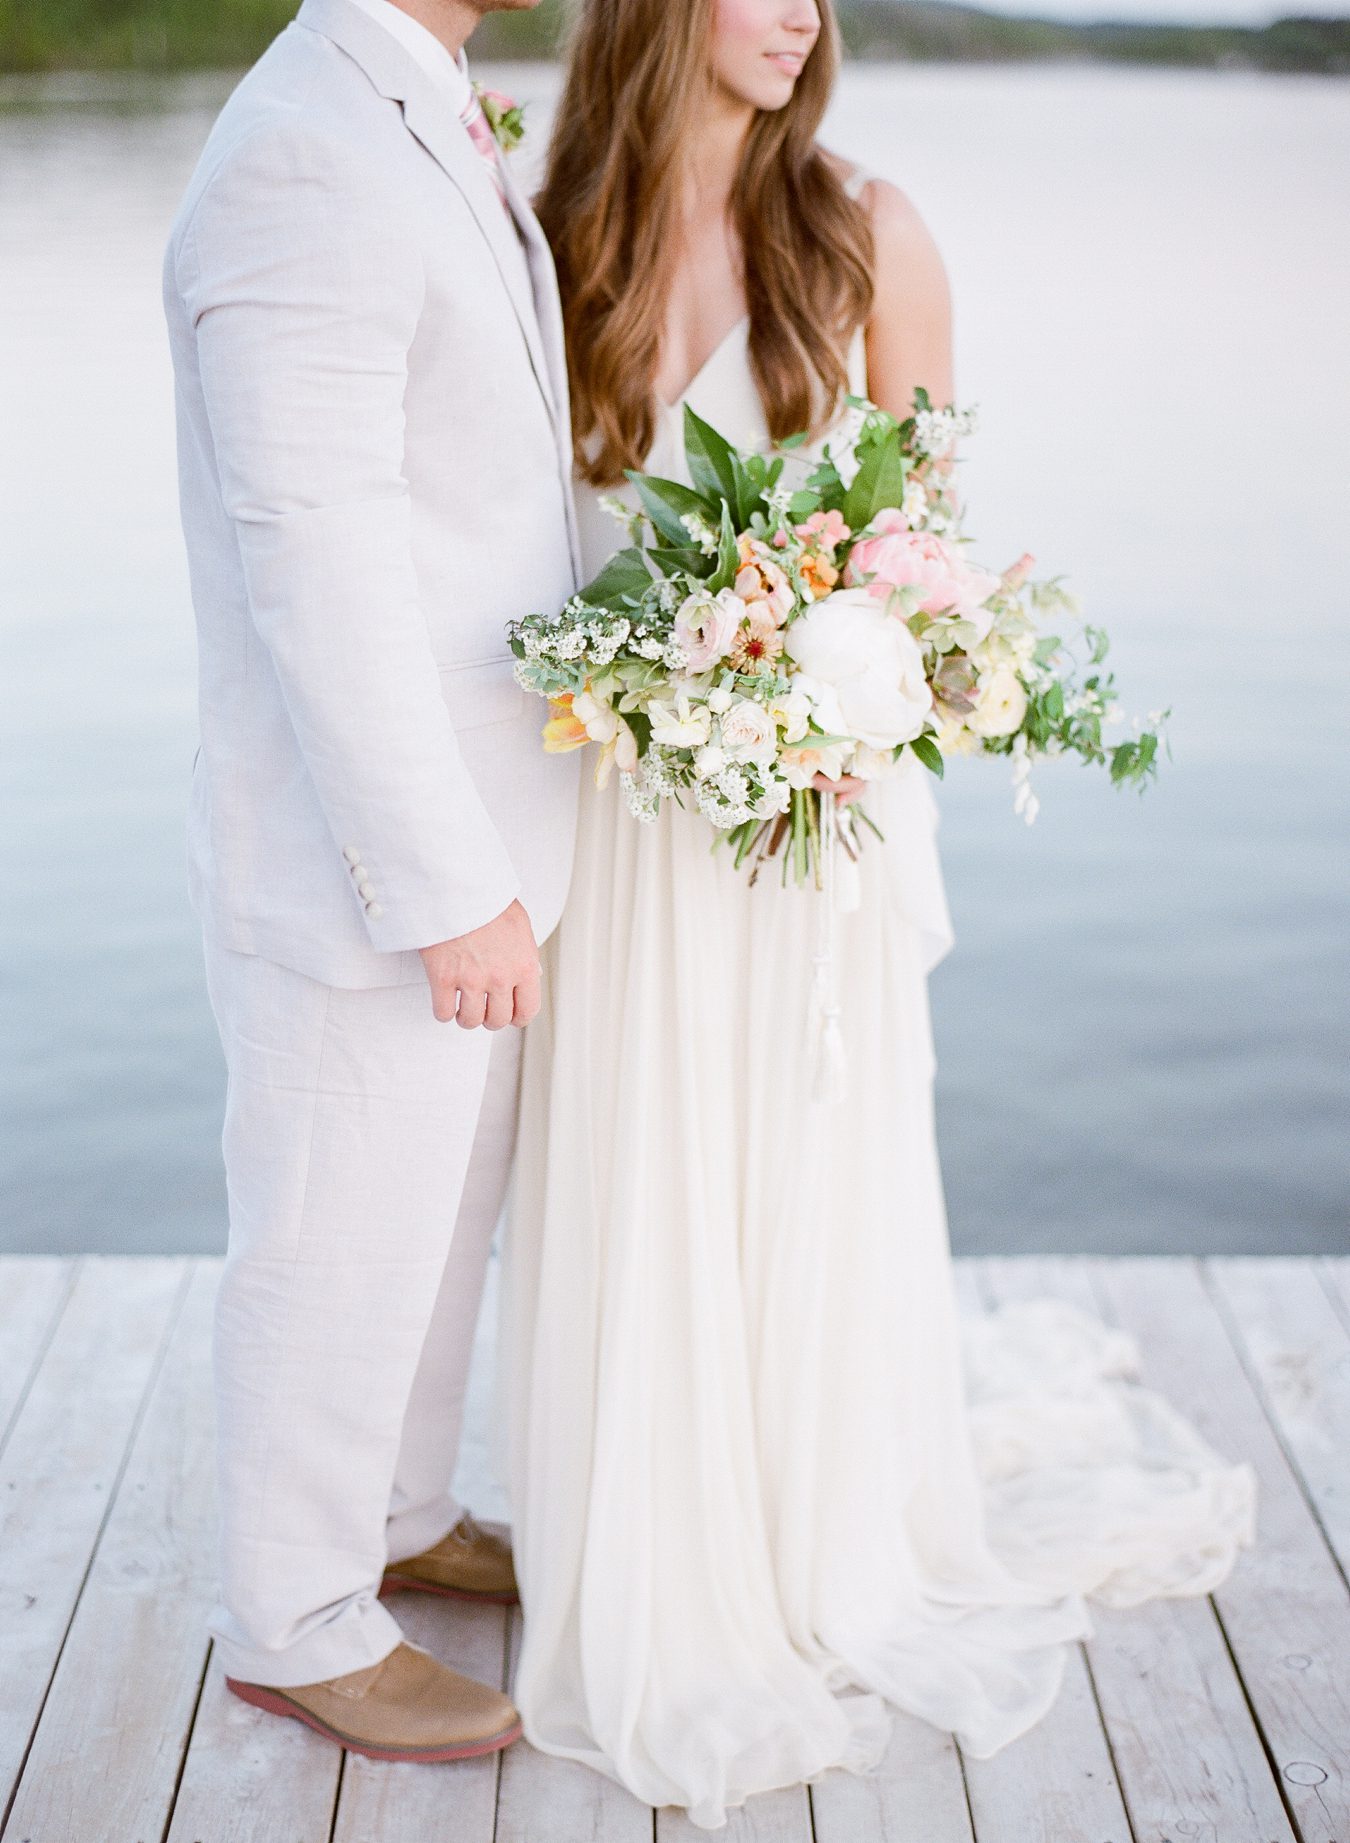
122 1699
382 1802
1334 1273
917 1794
772 1817
1198 1708
1284 1610
250 1777
1056 1783
32 1298
1189 1756
60 1469
1298 1351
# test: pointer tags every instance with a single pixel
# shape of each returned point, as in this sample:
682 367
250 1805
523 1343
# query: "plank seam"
142 1408
1266 1747
187 1742
337 1794
1233 1330
39 1355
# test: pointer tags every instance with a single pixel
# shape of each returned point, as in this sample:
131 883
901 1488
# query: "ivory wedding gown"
763 1479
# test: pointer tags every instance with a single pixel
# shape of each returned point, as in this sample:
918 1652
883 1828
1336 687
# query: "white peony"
1001 704
870 660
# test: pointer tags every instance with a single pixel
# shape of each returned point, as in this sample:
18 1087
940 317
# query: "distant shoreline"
180 35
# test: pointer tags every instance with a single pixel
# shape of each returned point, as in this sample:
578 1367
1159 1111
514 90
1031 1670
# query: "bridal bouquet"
779 620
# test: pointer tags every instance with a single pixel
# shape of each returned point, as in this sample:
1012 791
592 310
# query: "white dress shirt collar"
450 73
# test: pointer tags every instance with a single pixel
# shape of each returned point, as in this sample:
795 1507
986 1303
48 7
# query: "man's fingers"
472 1007
499 1009
528 996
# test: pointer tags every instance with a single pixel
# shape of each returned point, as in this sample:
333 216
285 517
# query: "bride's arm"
909 336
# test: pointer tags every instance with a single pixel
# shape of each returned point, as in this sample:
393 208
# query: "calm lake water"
1143 1028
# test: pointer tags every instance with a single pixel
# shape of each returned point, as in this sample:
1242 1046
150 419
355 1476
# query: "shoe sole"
400 1583
277 1702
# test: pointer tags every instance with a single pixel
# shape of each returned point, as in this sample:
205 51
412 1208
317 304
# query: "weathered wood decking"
1224 1720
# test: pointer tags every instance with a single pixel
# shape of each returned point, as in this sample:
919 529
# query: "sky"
1177 12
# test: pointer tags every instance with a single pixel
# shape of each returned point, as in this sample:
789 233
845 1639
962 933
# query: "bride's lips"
789 62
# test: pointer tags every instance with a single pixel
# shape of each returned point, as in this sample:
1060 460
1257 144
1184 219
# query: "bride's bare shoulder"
909 265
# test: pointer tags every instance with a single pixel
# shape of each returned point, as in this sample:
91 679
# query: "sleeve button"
374 911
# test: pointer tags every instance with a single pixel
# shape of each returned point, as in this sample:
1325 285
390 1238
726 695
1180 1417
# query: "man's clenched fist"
489 977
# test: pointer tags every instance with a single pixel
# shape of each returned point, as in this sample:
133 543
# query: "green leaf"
666 502
626 574
929 754
712 460
728 557
880 481
641 726
685 559
792 441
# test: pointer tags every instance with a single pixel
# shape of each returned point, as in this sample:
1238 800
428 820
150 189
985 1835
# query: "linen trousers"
367 1150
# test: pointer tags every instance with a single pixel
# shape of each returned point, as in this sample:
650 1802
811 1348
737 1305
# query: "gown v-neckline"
674 403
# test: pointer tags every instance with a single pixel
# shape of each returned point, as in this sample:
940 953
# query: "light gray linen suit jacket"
375 468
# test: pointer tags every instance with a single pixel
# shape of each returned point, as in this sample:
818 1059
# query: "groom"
374 466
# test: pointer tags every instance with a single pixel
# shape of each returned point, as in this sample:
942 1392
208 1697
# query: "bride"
763 1484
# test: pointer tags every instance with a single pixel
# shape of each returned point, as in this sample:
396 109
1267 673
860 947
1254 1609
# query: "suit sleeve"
305 289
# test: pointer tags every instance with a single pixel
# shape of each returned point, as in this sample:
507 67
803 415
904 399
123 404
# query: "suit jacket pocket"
484 691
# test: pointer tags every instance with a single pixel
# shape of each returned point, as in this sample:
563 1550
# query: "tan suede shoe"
472 1563
406 1707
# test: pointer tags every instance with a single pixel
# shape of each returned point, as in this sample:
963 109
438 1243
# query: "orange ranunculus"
563 731
818 575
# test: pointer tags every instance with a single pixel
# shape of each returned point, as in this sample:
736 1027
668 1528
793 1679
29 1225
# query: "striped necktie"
483 139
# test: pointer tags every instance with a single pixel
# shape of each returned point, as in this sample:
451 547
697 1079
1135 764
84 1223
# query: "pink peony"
898 558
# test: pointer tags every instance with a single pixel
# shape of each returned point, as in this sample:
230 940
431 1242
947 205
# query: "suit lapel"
549 322
432 122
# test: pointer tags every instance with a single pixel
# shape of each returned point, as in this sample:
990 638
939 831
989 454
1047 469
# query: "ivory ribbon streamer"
830 1082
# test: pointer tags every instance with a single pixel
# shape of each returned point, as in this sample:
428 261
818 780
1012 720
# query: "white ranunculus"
680 724
749 733
870 660
791 711
1001 704
709 761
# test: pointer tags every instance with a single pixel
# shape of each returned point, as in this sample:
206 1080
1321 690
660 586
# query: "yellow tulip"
563 731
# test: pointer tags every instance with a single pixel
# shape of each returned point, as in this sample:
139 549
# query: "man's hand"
488 977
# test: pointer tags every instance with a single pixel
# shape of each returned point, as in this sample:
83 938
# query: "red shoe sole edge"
277 1702
398 1583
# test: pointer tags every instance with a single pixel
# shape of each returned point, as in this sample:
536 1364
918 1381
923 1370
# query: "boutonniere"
505 118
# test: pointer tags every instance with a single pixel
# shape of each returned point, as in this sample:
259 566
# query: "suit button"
352 855
374 911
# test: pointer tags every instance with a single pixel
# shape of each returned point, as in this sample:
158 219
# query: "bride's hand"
845 790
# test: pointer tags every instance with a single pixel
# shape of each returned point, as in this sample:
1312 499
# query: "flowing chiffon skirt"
765 1480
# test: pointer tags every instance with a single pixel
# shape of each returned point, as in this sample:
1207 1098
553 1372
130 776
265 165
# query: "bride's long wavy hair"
610 207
